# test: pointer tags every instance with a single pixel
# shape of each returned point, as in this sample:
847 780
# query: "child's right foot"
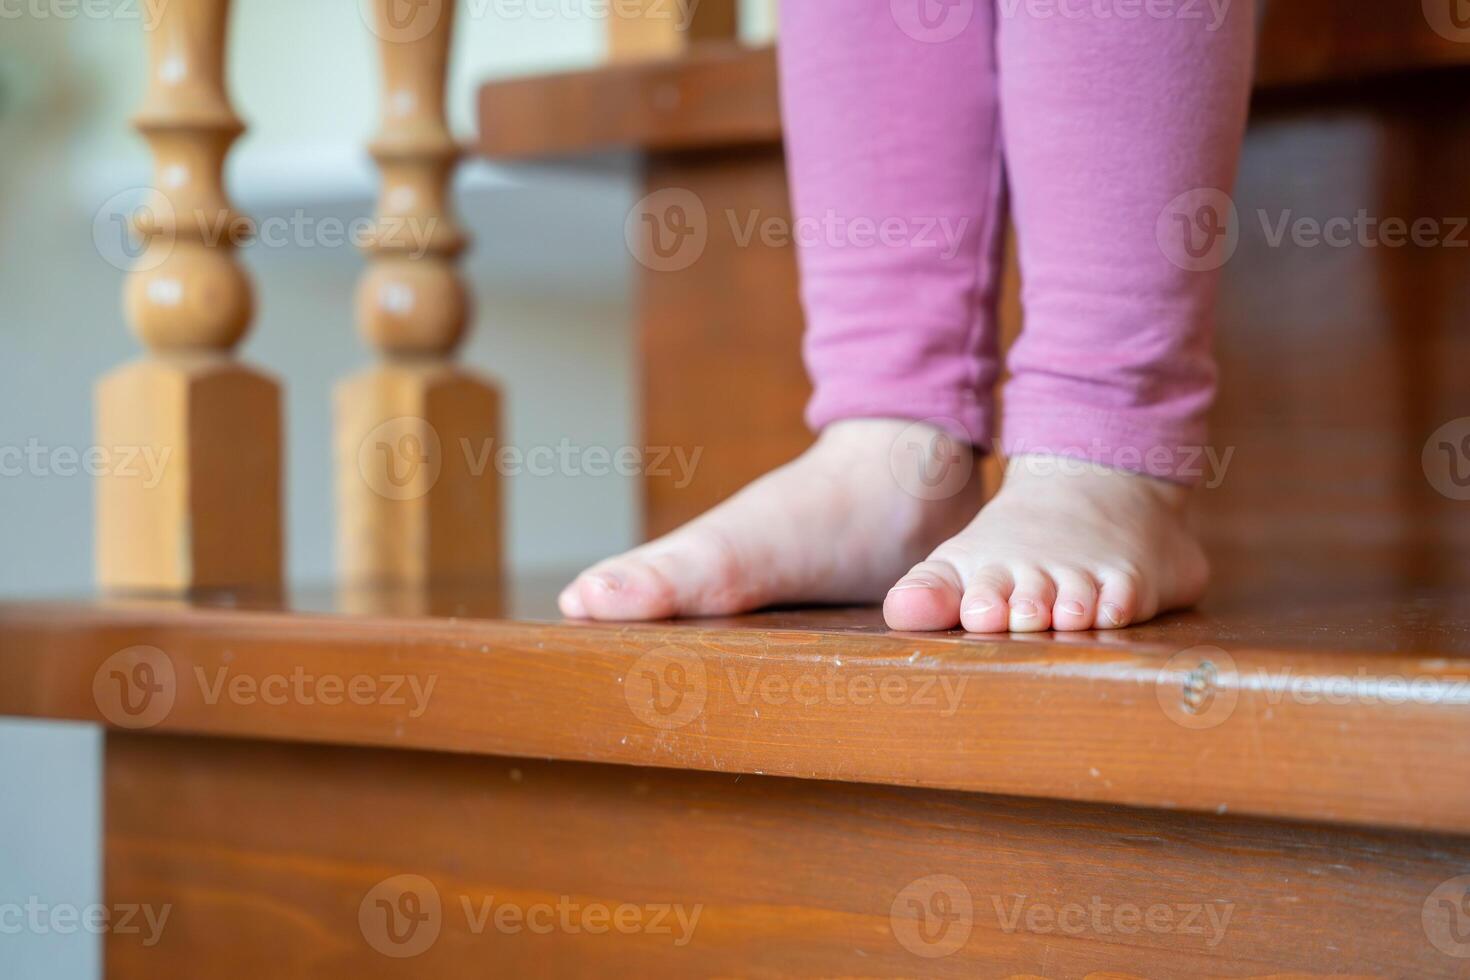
833 525
1064 545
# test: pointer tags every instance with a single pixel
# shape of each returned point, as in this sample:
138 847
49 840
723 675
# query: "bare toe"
834 525
1118 600
927 598
625 589
1063 550
1076 605
570 602
1031 601
985 606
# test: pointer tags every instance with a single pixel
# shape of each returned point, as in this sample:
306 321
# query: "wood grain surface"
726 94
299 861
1330 708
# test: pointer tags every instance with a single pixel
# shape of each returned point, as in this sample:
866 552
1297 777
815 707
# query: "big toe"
621 589
570 601
927 598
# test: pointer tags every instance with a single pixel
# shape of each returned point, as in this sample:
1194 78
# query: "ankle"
864 435
1031 473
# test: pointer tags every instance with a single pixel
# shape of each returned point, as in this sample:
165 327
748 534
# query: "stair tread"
1346 699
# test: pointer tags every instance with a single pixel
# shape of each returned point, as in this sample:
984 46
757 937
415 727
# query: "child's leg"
894 159
1107 120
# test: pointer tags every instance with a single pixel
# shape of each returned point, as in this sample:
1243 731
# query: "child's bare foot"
1064 545
834 525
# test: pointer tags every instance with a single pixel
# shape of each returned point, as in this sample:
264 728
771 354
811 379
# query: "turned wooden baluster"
419 497
208 513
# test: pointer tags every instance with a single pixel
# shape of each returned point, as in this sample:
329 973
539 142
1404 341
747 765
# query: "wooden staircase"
1244 790
424 772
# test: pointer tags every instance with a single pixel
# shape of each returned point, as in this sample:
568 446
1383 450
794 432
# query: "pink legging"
1114 126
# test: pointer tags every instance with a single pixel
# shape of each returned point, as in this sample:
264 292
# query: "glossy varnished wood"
411 506
726 94
1276 708
724 389
284 861
717 95
211 516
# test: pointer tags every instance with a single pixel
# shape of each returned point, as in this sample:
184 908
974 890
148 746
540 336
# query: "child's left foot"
1064 545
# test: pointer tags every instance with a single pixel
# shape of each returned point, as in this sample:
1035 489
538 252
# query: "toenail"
1072 608
608 581
978 608
916 583
1023 609
1112 614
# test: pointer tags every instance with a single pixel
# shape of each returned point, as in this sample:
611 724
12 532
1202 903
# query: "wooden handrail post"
643 30
206 512
418 492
